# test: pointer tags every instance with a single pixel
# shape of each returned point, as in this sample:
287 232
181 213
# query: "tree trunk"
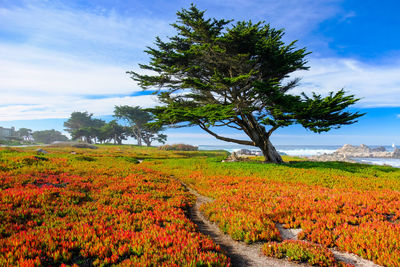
269 152
138 135
139 141
260 137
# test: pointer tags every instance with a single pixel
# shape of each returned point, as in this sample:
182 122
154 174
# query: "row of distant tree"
82 126
139 124
45 136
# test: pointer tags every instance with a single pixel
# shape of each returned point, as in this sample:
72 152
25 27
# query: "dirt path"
240 253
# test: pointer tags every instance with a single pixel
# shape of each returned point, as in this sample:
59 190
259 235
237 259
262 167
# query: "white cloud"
377 85
58 74
52 25
62 59
297 17
37 84
62 107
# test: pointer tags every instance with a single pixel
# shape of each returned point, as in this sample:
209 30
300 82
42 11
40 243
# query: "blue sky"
57 57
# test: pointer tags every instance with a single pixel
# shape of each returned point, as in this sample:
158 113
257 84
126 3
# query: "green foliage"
10 142
133 115
326 174
84 158
141 126
112 131
78 120
25 133
83 127
179 147
48 136
301 251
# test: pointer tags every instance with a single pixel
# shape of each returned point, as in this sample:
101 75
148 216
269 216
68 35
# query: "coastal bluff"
348 152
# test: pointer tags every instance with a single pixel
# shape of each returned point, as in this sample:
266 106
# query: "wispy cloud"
377 85
81 32
297 17
57 73
61 107
59 60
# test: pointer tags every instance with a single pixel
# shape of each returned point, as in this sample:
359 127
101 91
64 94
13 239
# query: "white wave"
306 152
380 161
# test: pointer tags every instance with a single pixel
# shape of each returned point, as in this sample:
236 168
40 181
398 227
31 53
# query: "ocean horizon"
309 150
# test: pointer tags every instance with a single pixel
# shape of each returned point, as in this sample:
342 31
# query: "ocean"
309 150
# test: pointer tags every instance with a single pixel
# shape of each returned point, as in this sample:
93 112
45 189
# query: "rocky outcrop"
41 151
232 158
248 152
396 153
379 149
348 152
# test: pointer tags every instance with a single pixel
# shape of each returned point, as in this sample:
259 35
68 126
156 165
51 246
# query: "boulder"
244 152
379 149
396 153
41 151
232 158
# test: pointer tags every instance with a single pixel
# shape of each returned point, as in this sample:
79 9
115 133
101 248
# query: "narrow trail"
242 254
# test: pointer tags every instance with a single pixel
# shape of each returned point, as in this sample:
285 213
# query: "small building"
7 133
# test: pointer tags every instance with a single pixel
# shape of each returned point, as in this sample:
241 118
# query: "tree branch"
241 142
272 130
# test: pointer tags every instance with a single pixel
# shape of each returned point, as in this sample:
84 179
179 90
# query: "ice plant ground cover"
352 207
96 207
99 207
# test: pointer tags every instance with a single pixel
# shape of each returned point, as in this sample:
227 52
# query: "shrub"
302 251
180 147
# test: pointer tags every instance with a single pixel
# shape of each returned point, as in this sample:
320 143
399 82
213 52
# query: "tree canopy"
214 73
48 136
140 124
82 126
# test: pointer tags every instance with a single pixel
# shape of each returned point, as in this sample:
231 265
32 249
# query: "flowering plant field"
100 207
353 207
96 207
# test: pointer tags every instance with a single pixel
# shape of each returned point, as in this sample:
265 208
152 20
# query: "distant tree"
75 124
151 134
211 74
138 120
48 136
83 127
78 120
82 134
112 131
25 134
94 130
